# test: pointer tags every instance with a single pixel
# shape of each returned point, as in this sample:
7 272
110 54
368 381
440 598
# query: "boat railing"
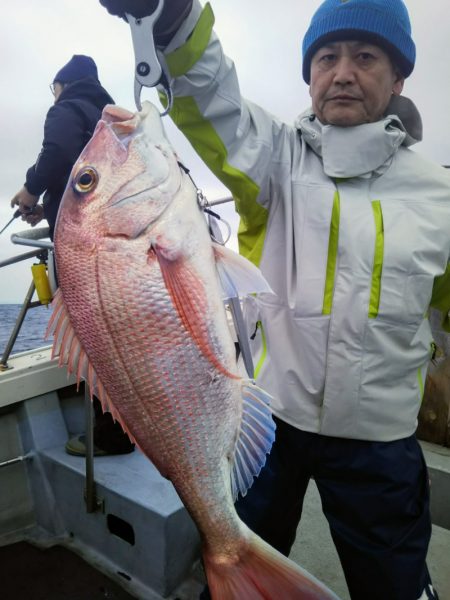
33 237
43 251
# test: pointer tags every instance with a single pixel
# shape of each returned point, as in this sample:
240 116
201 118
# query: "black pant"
375 496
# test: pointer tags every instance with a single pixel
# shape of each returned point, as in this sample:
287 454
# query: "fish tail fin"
261 573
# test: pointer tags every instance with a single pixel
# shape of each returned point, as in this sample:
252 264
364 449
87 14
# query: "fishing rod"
18 213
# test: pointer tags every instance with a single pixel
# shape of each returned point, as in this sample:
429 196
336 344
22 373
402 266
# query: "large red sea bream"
139 315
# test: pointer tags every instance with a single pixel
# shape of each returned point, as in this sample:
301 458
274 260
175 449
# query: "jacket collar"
363 150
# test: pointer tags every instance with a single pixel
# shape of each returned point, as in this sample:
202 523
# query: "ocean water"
32 333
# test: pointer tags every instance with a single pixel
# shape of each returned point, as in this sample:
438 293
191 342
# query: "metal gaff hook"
148 70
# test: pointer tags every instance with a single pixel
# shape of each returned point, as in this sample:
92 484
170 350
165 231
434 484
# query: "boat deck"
52 574
58 574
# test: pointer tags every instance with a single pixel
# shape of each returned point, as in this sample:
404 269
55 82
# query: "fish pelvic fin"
259 572
255 438
238 276
70 352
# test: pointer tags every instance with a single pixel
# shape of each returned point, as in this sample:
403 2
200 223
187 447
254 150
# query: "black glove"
173 14
137 8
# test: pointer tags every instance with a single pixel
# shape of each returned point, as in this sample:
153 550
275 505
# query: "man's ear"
399 82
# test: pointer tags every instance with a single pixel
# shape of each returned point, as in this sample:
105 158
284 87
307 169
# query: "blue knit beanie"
382 22
78 67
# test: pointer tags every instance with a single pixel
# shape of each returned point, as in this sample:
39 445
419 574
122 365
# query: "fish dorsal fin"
71 353
238 276
255 438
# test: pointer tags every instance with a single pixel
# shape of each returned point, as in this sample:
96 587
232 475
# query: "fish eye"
86 180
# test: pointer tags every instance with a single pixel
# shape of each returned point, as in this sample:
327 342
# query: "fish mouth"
121 121
123 125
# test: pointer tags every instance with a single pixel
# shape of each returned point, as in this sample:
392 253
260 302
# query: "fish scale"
157 390
139 314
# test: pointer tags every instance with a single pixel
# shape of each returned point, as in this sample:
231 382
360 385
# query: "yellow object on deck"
41 282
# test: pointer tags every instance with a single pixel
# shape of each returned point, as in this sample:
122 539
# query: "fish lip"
123 139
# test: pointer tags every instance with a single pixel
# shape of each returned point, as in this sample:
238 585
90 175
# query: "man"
352 230
69 124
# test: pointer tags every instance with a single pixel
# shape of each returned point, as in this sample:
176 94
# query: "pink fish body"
140 316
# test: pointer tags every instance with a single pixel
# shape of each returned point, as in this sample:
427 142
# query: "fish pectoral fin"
238 276
71 353
255 438
188 296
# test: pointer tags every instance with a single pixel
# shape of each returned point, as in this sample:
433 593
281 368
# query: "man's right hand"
137 8
173 14
24 200
35 217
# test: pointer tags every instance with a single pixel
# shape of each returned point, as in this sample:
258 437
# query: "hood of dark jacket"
88 89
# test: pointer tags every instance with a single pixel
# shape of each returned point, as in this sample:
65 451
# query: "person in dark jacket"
69 124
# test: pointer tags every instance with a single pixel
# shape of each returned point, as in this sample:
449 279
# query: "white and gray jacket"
350 227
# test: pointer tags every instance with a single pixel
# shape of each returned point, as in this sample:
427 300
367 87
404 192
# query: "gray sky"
37 38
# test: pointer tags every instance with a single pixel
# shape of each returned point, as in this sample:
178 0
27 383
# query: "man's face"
351 83
58 88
